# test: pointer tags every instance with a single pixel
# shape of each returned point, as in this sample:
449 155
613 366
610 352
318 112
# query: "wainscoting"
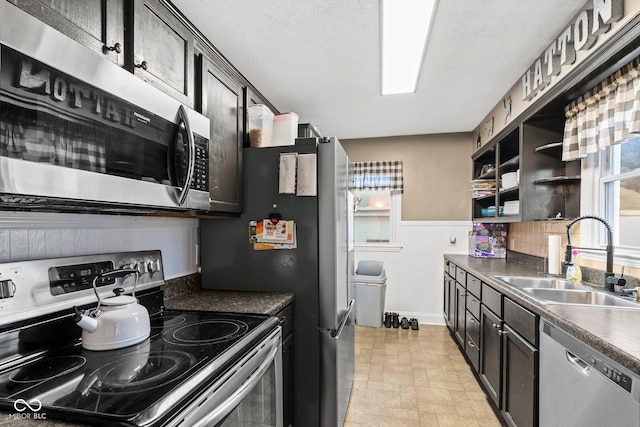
414 268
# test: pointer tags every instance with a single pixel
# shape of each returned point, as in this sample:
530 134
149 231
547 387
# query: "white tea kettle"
117 321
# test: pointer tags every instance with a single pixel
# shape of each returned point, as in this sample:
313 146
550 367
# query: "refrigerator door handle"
345 318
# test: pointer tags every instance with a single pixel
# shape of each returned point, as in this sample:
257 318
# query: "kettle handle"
121 272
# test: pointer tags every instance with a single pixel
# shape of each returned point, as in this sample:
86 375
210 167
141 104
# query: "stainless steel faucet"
610 281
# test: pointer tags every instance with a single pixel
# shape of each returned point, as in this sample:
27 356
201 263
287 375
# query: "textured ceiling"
321 59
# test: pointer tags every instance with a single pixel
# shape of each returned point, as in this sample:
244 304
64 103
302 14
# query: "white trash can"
370 282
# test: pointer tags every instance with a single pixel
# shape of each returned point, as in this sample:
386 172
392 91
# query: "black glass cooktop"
120 384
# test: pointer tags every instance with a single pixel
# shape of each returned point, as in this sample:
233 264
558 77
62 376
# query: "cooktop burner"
206 332
66 377
139 373
46 369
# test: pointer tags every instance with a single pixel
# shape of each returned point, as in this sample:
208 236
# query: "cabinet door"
519 382
222 103
452 304
471 347
447 300
491 353
459 325
96 24
161 49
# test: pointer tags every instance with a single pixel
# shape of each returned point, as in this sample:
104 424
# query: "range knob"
141 267
153 266
7 289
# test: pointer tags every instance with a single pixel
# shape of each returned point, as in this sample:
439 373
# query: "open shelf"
511 164
557 180
551 146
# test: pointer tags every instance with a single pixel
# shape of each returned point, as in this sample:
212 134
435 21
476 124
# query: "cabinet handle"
501 332
462 294
494 326
473 299
117 48
142 65
471 344
472 320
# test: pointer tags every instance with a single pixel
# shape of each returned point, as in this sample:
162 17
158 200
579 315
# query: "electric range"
45 371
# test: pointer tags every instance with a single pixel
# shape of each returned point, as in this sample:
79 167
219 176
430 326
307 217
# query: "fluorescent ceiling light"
405 27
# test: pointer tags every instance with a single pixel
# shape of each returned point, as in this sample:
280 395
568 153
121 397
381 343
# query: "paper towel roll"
554 252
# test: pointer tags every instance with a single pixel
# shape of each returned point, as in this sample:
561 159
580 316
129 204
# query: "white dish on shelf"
509 180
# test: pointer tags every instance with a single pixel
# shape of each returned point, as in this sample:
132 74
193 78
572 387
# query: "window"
377 192
611 189
621 186
376 216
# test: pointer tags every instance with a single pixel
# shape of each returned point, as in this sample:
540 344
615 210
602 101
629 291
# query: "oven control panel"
73 278
33 288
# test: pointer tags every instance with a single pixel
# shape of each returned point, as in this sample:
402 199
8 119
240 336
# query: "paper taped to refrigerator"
307 178
287 175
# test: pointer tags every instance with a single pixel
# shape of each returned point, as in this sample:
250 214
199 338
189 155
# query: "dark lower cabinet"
499 338
490 369
471 347
460 309
285 318
519 385
449 298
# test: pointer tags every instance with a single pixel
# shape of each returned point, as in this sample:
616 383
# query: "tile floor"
407 378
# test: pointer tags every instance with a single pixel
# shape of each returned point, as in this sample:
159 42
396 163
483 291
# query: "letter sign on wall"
579 35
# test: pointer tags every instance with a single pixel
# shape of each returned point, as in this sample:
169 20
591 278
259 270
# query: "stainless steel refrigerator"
318 269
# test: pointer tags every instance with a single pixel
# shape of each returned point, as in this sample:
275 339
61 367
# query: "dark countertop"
608 330
231 301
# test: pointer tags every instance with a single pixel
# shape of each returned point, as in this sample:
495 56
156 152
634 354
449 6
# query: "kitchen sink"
550 290
582 297
540 282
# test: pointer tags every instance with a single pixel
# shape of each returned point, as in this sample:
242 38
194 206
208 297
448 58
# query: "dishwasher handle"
578 364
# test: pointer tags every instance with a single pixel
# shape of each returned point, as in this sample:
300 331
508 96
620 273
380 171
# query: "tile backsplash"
531 238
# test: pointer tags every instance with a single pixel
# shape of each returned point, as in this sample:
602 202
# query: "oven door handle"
191 155
234 400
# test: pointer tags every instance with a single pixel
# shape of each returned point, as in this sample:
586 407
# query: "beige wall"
436 169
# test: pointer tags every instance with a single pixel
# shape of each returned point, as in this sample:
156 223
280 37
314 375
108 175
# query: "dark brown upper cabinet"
221 100
96 24
160 49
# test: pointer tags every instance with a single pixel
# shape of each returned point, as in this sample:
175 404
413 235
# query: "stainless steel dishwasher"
581 387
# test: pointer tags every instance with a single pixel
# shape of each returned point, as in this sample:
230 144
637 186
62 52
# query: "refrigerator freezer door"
338 365
334 257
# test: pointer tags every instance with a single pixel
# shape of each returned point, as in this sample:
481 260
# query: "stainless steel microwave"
78 132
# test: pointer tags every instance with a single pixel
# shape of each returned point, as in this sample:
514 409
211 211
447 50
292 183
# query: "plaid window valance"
378 175
604 116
